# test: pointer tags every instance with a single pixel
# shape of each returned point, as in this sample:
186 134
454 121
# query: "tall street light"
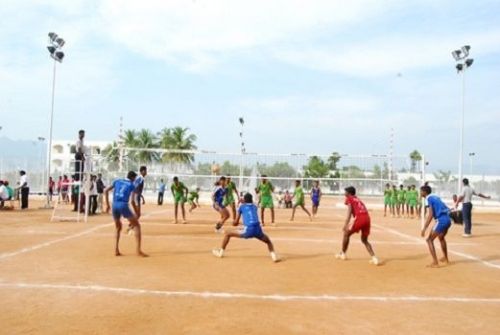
471 156
55 44
41 140
242 123
463 61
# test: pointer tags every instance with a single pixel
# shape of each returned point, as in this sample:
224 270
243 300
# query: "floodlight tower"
55 44
463 61
242 124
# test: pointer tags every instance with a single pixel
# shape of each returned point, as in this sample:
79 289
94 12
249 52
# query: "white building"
63 154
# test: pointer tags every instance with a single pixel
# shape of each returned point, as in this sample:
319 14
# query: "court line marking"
62 239
248 296
456 253
283 239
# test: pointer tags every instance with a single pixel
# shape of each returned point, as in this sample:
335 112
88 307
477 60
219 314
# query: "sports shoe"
218 252
218 227
341 256
374 260
275 257
466 235
129 230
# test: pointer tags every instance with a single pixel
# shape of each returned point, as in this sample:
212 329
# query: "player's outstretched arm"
428 221
483 196
348 218
106 196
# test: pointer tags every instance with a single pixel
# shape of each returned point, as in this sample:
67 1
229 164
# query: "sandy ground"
63 278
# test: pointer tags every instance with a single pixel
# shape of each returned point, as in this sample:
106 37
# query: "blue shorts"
315 202
251 232
121 209
443 223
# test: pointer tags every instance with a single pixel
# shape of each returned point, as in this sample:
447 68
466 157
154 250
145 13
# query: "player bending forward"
123 191
252 228
357 209
440 212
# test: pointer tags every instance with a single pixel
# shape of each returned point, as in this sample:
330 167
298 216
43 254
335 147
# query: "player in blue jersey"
218 202
252 228
438 211
139 188
315 197
123 193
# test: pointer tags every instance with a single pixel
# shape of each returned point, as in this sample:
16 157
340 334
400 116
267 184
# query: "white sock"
273 256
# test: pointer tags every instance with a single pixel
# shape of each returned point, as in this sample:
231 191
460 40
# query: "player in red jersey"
357 209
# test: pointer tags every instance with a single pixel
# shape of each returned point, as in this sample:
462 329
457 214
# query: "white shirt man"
4 193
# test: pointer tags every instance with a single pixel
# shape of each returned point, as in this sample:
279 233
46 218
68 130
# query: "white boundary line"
62 239
456 253
248 296
282 239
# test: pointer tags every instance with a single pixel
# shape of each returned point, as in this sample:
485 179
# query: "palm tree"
145 139
415 157
333 160
177 138
111 155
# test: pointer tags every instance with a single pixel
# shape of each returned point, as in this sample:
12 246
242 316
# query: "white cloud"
388 54
195 34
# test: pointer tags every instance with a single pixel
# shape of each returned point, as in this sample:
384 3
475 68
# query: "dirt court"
63 278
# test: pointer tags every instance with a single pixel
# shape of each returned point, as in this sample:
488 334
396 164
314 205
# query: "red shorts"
361 223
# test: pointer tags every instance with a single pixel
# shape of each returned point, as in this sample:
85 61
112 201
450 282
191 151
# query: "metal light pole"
242 123
471 155
41 140
463 63
56 43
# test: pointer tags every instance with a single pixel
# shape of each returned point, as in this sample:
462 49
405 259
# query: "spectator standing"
79 155
24 189
161 192
93 195
100 191
51 188
466 197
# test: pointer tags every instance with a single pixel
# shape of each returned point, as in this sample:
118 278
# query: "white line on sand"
248 296
282 239
422 242
62 239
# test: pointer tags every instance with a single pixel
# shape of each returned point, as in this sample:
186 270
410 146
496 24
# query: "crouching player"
357 209
441 213
252 228
123 191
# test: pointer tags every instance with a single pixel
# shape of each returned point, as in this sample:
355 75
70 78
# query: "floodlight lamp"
456 54
60 42
52 36
459 67
469 62
58 56
465 50
51 49
242 121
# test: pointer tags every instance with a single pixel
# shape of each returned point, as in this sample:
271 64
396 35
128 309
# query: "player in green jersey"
413 197
401 201
298 194
193 198
179 193
265 191
394 200
387 198
229 199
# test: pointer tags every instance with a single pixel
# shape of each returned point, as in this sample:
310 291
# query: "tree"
316 168
333 160
443 176
353 171
278 169
177 138
415 157
111 155
147 140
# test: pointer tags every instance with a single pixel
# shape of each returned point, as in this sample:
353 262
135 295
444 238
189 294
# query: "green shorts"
299 202
393 202
266 202
228 200
387 201
412 203
179 198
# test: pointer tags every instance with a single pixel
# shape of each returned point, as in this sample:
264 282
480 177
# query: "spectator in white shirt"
24 188
466 198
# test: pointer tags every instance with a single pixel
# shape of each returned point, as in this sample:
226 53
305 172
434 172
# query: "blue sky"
308 76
